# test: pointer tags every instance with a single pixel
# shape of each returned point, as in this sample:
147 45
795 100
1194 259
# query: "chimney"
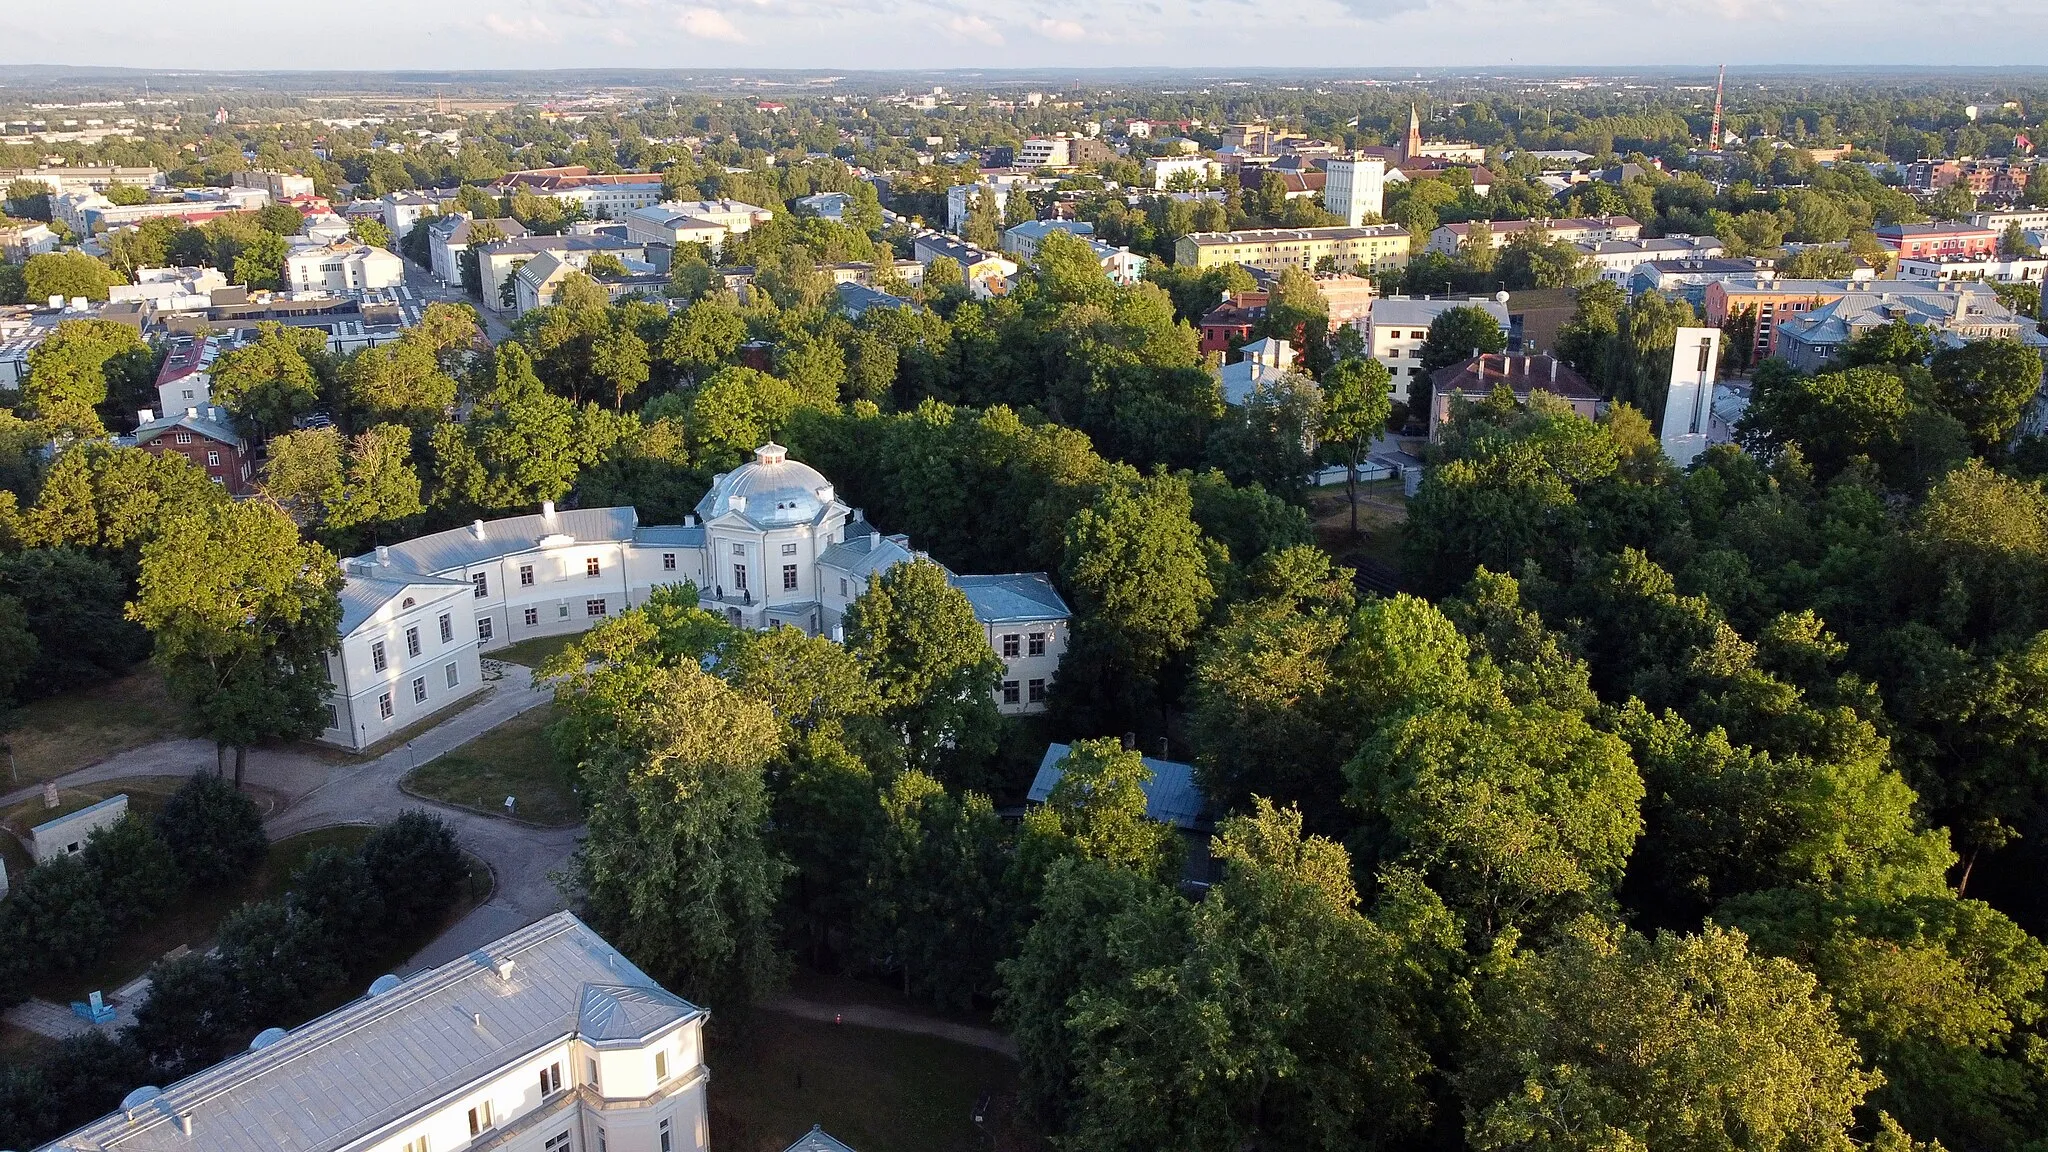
1553 368
874 540
185 1124
191 412
476 529
547 509
144 415
384 555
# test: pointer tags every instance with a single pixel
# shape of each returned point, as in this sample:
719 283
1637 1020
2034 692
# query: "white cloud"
1061 30
709 24
518 27
974 28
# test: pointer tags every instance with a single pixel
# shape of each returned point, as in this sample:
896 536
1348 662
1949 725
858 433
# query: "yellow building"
1371 248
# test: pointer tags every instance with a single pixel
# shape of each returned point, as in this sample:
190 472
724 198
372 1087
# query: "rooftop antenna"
1714 133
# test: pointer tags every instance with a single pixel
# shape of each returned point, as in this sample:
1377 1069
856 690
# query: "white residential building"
1022 240
342 268
1355 188
544 1040
771 544
1448 238
280 185
734 216
663 225
1160 171
1997 269
2029 219
1398 326
825 205
402 210
171 289
1045 152
498 260
1263 361
21 239
1617 260
448 237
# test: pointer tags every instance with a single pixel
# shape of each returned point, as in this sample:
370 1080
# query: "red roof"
1522 374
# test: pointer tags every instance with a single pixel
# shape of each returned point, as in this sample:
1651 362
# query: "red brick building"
202 436
1232 320
1920 241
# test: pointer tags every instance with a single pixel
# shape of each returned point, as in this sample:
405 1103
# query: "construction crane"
1714 133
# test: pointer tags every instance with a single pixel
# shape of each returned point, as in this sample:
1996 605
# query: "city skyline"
899 34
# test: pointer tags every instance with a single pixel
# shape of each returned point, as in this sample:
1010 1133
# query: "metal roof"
345 1079
817 1140
1171 796
677 535
1014 597
1404 312
770 491
363 595
494 539
866 554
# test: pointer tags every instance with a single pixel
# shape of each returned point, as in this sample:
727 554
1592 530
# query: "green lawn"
68 732
193 922
775 1076
513 759
535 651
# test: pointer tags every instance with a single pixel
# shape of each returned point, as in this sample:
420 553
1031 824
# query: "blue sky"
853 34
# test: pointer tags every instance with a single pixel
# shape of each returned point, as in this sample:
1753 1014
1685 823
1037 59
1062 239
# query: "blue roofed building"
1028 625
857 299
817 1140
1171 795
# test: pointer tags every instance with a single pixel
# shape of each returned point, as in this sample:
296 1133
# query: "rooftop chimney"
1553 369
190 412
144 415
476 529
384 555
547 509
185 1124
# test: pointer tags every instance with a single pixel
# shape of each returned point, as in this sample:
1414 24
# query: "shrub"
416 867
214 832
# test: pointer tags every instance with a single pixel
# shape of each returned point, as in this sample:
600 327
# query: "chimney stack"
384 555
476 529
547 509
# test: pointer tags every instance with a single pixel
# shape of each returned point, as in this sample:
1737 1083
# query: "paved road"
318 793
422 282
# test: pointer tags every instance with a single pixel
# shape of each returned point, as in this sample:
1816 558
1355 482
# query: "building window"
666 1143
377 660
559 1142
789 549
1037 644
562 610
592 1069
384 705
551 1081
185 437
412 641
213 459
661 1066
482 582
842 587
1037 692
739 549
600 1140
668 561
1009 691
447 628
417 1144
483 629
739 577
419 689
454 674
590 566
594 607
532 617
1010 646
479 1118
526 575
789 577
333 716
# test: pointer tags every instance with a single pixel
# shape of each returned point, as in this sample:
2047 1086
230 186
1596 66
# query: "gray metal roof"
347 1077
864 554
1013 598
1409 313
492 539
817 1140
361 595
770 491
678 535
1171 796
202 421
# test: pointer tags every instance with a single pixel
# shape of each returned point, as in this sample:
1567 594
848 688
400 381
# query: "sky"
894 34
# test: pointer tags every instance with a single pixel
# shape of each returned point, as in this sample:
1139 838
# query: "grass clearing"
775 1076
513 759
65 733
534 651
193 921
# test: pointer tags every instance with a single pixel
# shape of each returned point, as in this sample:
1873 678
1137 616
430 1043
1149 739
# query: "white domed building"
771 544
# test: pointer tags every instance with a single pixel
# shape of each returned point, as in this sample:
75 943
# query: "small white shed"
68 834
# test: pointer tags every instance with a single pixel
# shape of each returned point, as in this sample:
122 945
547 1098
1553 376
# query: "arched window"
408 602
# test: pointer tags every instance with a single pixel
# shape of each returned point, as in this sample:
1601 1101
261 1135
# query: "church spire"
1413 147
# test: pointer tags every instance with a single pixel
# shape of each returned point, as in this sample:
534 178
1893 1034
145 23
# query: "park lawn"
513 759
775 1076
65 733
534 651
194 920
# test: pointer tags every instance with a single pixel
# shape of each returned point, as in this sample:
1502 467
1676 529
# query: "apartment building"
1378 247
1771 301
1399 325
203 436
545 1040
1943 239
1448 239
1955 314
1355 188
344 267
62 180
1617 260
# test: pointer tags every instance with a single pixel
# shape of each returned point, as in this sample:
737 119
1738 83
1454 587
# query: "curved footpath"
320 794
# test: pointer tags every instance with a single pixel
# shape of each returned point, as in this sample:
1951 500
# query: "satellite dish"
1500 297
266 1038
140 1096
383 984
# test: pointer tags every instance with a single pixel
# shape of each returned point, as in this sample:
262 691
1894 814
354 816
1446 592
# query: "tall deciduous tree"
243 615
929 659
70 373
1356 405
269 383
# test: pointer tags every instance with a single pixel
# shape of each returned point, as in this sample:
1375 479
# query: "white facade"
1688 402
1617 260
1044 152
342 268
545 1040
1355 188
661 224
1160 171
1998 269
771 544
67 835
1398 327
609 201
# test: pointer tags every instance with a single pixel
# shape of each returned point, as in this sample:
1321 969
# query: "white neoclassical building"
771 544
547 1040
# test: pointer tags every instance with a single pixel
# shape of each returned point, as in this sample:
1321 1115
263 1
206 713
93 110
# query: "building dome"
770 491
